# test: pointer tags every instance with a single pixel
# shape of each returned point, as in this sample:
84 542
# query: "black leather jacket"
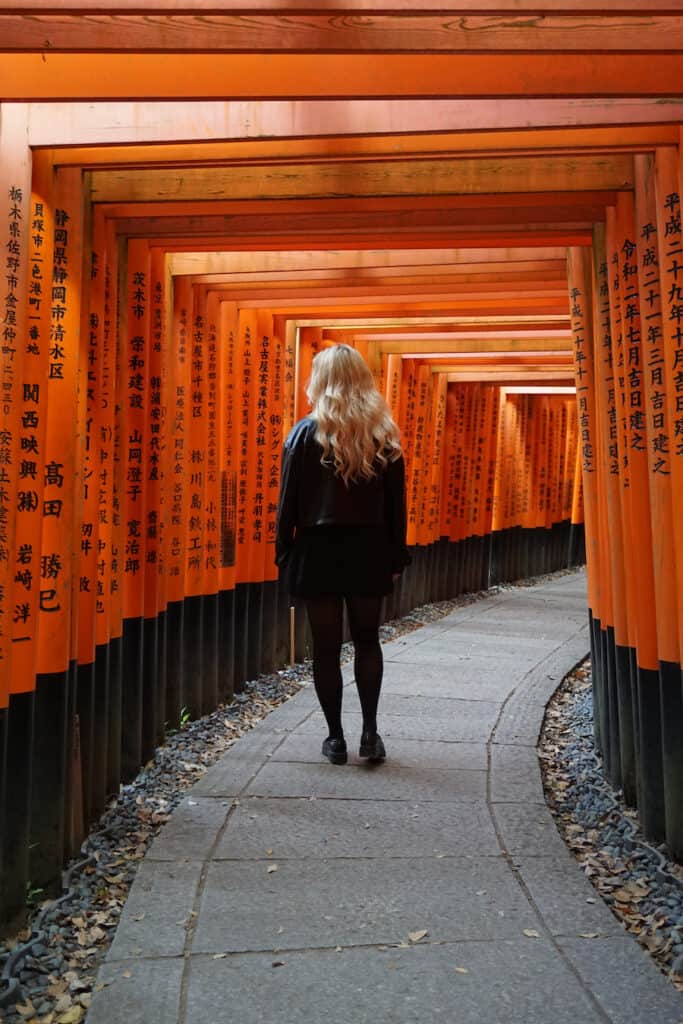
313 495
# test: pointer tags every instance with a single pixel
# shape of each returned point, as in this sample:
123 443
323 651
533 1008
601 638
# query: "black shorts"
340 560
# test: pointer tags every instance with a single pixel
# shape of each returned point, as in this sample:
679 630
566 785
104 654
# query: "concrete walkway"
432 888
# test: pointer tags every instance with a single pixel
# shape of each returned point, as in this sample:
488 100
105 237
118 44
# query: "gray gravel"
642 887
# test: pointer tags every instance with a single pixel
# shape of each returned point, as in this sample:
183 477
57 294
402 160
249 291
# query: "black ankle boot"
372 747
334 749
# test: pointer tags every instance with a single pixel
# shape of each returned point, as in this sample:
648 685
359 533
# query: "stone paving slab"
473 725
287 716
390 781
450 835
464 680
414 706
304 748
231 774
158 910
527 829
526 626
561 893
613 968
358 902
515 775
444 648
506 982
138 990
298 828
192 830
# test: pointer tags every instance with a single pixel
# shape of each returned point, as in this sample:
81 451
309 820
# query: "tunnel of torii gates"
193 201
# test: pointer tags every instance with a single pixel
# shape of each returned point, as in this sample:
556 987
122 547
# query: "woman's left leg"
325 615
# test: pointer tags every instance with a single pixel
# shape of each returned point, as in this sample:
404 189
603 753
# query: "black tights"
325 615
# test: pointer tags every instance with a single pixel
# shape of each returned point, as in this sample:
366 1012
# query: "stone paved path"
285 889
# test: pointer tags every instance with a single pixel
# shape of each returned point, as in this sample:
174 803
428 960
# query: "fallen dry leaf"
531 933
416 936
461 970
72 1016
219 956
271 868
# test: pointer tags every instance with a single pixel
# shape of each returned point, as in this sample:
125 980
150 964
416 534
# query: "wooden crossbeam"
506 375
303 292
469 261
217 32
403 304
369 178
455 360
444 145
299 237
454 334
474 123
541 347
199 7
100 76
428 280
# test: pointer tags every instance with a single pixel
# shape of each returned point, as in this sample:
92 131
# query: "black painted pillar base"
254 628
72 808
98 788
210 656
485 561
284 602
4 781
625 699
650 780
632 796
434 590
192 657
14 839
131 698
50 780
150 669
597 679
114 720
269 625
241 608
671 694
85 709
175 651
611 752
226 634
466 565
162 681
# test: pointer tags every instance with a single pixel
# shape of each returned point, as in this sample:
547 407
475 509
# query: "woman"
341 529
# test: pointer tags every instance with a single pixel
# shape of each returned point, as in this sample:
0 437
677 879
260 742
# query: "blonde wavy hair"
354 425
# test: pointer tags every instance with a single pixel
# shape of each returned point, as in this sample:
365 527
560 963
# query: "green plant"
184 717
33 894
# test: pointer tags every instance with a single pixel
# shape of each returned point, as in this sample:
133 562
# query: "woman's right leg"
325 615
364 616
